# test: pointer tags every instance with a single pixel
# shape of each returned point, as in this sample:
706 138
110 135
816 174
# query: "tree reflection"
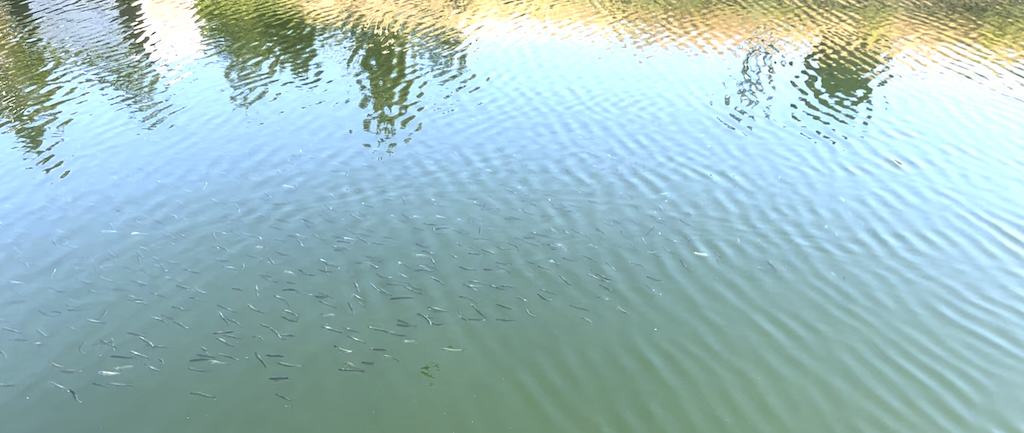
841 72
47 64
384 83
757 75
28 105
259 40
129 69
390 64
838 78
264 41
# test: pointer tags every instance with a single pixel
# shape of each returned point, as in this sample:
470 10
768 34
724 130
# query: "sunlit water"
481 217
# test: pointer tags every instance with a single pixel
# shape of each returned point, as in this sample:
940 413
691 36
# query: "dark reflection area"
261 41
835 83
51 58
393 66
384 82
839 75
270 46
28 102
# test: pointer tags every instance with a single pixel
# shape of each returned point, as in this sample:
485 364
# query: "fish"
260 359
203 394
278 378
469 319
288 364
150 343
352 367
272 329
381 330
478 311
429 322
382 291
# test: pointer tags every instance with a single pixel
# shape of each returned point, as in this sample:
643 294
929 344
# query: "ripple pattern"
718 216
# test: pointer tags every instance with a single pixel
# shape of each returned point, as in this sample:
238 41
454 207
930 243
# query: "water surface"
593 216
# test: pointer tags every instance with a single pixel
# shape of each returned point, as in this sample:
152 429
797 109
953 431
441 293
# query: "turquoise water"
713 217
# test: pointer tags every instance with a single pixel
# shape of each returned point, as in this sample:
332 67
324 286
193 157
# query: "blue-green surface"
606 217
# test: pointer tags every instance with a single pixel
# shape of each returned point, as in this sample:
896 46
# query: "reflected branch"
391 63
260 41
28 100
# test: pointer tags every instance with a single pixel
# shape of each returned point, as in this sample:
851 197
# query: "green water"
643 217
